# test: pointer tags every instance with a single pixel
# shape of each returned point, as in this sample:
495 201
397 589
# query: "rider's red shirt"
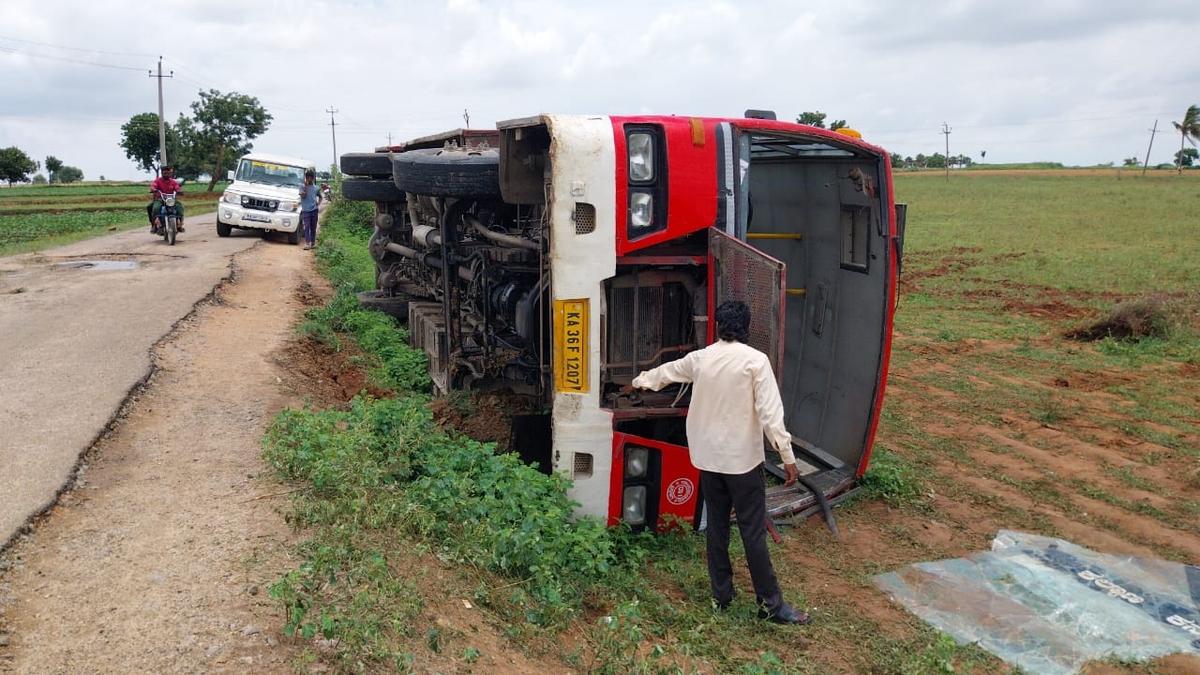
167 185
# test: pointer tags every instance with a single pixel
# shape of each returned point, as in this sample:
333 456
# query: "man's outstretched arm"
679 370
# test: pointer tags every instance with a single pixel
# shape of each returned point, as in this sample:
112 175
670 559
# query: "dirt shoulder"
79 323
161 557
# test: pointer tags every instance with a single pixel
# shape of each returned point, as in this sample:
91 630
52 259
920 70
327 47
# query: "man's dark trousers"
746 494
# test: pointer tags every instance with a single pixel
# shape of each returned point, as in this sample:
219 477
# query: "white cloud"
1058 80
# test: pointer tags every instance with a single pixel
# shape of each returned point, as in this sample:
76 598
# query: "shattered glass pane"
1049 606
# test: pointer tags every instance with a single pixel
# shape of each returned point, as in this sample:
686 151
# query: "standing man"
310 199
164 183
734 399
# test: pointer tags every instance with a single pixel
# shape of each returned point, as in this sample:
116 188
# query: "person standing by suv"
164 183
310 199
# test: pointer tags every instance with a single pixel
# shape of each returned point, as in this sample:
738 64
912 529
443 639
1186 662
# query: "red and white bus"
558 256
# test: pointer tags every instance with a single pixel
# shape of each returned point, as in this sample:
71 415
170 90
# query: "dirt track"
79 322
145 567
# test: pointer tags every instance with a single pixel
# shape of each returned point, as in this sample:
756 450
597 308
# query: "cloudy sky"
1075 81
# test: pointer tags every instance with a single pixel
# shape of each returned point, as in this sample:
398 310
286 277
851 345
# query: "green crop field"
40 216
23 229
79 189
1085 232
993 419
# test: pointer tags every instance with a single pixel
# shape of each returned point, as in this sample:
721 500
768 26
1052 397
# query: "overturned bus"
557 256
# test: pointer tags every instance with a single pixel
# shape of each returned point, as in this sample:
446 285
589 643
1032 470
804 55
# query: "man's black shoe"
721 605
786 615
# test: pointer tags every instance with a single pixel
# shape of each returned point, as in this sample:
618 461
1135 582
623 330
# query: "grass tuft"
892 479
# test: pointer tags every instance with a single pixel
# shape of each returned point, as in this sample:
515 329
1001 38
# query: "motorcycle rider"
164 183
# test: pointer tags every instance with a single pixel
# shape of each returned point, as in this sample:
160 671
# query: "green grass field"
41 216
993 420
93 189
1091 232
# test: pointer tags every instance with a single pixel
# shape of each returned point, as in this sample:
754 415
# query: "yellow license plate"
571 353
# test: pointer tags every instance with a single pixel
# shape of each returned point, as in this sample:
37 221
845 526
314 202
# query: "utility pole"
389 139
333 132
162 125
946 130
466 119
1152 133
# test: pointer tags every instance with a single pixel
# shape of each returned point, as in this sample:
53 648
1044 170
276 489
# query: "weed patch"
892 479
1151 316
382 472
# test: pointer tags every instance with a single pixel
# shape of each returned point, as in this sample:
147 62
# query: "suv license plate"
255 218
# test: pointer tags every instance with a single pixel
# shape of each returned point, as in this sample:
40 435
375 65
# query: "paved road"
76 337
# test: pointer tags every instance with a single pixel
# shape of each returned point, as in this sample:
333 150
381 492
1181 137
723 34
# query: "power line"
74 49
1045 121
65 118
68 59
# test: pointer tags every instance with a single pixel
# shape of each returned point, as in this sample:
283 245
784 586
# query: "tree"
936 161
39 179
224 126
1130 161
1189 130
139 140
982 155
53 164
15 165
69 174
897 160
192 157
1186 157
815 118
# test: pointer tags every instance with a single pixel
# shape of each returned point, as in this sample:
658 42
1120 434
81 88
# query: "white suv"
264 195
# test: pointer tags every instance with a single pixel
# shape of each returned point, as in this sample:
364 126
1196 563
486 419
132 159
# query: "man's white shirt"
734 400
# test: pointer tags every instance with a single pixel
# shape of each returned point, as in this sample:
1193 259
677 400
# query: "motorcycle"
168 217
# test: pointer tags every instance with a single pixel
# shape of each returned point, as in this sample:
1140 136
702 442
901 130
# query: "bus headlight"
641 210
641 157
633 510
637 460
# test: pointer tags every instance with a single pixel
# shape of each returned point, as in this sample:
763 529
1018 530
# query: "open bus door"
738 271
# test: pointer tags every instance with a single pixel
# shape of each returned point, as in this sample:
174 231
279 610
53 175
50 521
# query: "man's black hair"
733 321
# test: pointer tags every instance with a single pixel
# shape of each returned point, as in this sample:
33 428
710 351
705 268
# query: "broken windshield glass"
1049 606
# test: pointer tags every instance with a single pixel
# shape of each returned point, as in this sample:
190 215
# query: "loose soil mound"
1151 316
485 416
